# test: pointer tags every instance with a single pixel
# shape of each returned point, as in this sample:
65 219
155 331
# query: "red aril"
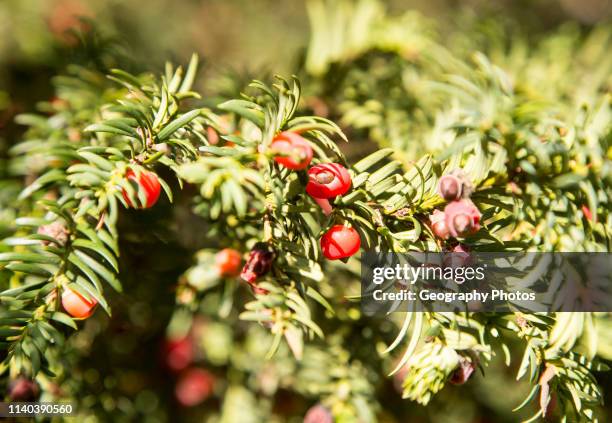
178 353
227 262
76 305
328 180
340 242
146 181
193 387
296 152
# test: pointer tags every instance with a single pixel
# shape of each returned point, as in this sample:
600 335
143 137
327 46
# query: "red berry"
23 389
328 180
178 353
193 387
462 218
438 224
76 305
228 262
296 151
340 242
212 135
146 181
587 213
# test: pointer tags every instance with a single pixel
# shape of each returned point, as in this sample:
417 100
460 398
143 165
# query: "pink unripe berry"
462 218
438 224
455 185
449 187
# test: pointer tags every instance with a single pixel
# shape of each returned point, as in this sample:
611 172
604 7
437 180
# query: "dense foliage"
529 128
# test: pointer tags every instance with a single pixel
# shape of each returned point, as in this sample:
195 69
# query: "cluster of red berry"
292 151
193 384
75 304
325 181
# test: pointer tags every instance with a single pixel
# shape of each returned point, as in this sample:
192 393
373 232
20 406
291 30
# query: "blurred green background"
241 34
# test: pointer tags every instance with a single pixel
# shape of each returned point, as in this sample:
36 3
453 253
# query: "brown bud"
463 372
259 262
